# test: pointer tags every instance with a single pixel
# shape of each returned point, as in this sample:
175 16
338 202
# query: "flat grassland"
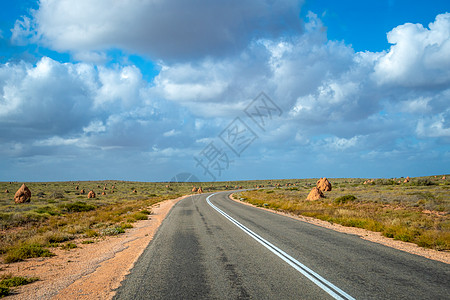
60 215
59 212
416 211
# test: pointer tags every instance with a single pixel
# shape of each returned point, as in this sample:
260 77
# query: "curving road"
221 249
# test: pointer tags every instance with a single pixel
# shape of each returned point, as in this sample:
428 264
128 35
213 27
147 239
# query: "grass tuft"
26 251
7 281
4 291
344 199
13 281
69 246
112 231
78 206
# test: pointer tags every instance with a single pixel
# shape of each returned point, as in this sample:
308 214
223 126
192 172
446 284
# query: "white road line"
324 284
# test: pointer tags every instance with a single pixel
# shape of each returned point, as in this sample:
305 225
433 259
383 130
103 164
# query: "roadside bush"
421 182
47 210
78 207
344 199
49 238
68 246
26 251
12 281
138 216
126 225
8 281
112 231
4 291
8 220
384 181
57 195
90 233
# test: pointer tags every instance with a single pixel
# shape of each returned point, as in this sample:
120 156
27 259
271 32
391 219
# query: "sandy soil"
91 271
376 237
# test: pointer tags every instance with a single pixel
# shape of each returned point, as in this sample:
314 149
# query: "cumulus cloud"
419 56
306 75
323 85
435 126
47 97
168 30
342 143
61 104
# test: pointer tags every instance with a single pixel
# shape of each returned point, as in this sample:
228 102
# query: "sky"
161 90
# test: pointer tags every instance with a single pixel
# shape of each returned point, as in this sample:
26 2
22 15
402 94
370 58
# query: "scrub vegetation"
416 211
60 214
9 281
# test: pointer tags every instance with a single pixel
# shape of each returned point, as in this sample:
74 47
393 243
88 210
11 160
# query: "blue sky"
146 90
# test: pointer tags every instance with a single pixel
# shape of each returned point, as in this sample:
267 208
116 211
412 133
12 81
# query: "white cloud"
323 85
184 82
24 32
170 133
48 96
416 106
341 144
119 86
95 57
419 56
95 127
436 126
160 29
57 104
57 141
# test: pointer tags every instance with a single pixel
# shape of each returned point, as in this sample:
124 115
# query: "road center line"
321 282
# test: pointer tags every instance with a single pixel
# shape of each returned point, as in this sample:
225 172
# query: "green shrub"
26 251
126 225
57 195
4 291
138 216
353 222
12 281
58 237
47 210
68 246
9 220
344 199
112 231
78 206
385 181
421 182
90 233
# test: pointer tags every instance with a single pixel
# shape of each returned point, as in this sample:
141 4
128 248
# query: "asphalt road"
198 253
